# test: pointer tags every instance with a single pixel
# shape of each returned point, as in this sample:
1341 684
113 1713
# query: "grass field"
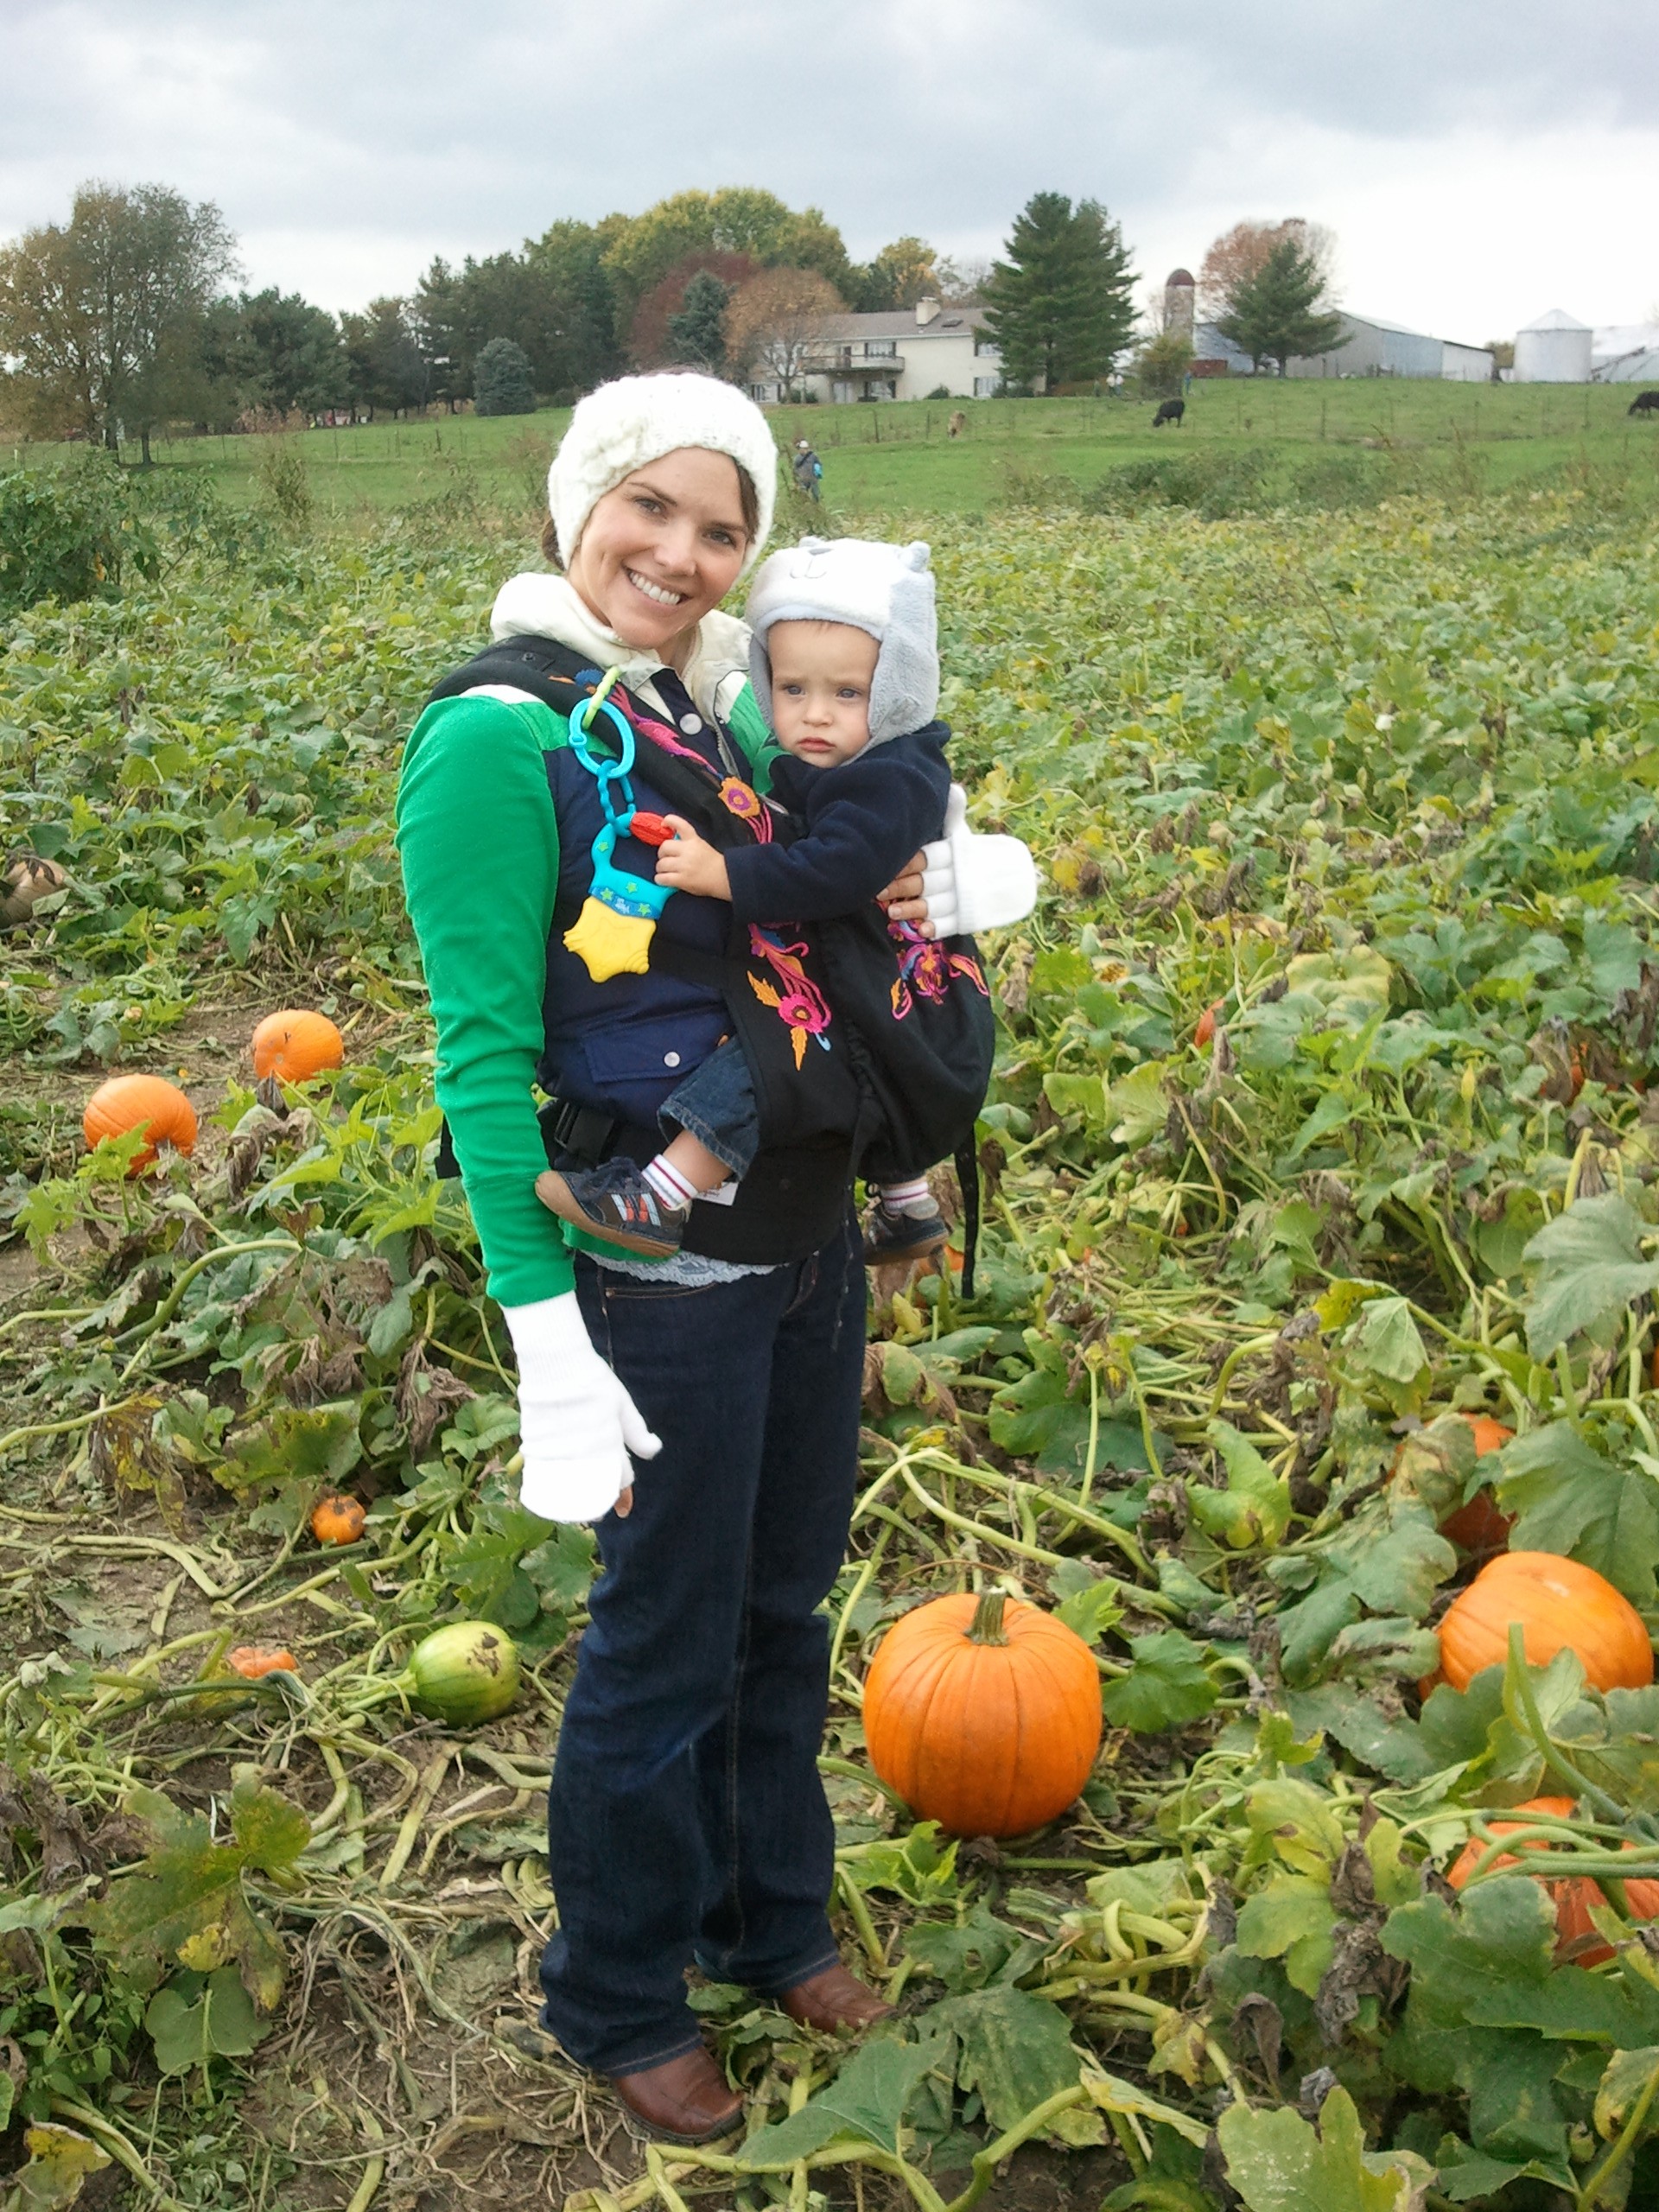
1311 444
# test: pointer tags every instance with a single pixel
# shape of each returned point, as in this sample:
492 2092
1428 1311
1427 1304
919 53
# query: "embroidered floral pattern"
799 1003
925 967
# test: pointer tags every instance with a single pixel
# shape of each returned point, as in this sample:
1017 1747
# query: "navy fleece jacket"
863 820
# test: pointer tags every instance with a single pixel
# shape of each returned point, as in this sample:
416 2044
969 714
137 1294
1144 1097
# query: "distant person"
809 470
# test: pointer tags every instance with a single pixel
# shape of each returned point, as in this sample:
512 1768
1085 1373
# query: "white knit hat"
623 425
885 589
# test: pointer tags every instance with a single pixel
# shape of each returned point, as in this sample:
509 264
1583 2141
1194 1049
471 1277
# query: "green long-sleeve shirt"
479 843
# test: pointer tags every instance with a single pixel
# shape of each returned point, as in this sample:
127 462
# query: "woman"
686 1818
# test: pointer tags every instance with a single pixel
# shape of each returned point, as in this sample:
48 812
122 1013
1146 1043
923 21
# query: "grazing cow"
957 423
1171 411
1645 403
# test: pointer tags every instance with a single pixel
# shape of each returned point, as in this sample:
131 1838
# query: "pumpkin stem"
986 1626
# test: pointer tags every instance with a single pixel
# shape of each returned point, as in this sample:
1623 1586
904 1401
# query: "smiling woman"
686 1820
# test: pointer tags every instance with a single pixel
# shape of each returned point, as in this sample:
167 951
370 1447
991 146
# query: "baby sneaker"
614 1202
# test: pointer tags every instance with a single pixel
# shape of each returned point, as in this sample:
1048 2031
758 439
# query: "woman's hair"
748 501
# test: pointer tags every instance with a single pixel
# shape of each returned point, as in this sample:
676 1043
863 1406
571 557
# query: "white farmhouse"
910 353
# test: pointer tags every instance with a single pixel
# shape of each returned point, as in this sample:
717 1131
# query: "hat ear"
916 555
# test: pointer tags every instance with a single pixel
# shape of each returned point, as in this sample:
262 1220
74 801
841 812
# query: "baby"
844 661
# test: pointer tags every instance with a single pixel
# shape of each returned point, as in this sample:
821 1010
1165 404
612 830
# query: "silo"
1554 350
1179 296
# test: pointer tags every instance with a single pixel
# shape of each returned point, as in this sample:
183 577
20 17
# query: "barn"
1556 349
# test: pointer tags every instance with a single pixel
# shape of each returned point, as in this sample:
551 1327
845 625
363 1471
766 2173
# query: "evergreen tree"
697 334
502 382
1278 313
1060 306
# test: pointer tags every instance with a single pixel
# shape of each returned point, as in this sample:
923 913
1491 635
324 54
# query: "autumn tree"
902 273
738 219
1279 314
698 331
102 317
775 321
1060 306
1240 253
652 342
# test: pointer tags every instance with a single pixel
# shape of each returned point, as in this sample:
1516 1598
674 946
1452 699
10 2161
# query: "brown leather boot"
834 1999
685 2099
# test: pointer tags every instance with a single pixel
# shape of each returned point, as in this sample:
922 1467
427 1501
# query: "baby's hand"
689 862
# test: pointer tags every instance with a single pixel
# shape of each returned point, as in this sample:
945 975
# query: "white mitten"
577 1423
973 882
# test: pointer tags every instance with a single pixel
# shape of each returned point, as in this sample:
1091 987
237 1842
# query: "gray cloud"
347 146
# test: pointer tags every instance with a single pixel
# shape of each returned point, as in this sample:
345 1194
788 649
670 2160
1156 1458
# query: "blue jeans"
686 1819
716 1104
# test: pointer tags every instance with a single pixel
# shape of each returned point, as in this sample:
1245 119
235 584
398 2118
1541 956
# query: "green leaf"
1628 2077
316 1447
188 2026
1572 1500
1589 1267
1016 2049
1291 1919
1254 1508
1385 1342
1277 2162
866 2102
979 1949
60 2159
1165 1686
1091 1610
914 1867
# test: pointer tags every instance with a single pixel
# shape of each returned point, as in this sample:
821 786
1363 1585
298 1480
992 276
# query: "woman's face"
663 548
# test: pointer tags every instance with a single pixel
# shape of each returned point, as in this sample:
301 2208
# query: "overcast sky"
1479 161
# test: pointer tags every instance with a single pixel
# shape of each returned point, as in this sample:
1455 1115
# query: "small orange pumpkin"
1576 1935
983 1713
146 1101
1560 1605
294 1044
1478 1525
337 1519
254 1661
1205 1033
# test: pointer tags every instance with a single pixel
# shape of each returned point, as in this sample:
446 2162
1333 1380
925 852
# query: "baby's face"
821 679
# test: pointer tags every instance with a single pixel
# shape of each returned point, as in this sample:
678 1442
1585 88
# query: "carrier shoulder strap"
542 666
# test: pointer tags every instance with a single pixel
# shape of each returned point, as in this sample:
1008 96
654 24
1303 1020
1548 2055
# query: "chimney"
925 312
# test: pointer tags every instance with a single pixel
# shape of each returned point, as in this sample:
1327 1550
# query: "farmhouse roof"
900 322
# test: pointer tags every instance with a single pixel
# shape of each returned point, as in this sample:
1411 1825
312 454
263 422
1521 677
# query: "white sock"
669 1185
907 1198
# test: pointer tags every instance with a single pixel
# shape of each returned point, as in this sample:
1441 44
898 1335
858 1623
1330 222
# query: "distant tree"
1162 365
697 332
1502 350
503 383
1061 305
581 346
902 273
737 220
773 322
274 352
1279 314
1240 253
388 369
102 318
652 342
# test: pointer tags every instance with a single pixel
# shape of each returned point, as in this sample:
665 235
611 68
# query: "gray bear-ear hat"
887 590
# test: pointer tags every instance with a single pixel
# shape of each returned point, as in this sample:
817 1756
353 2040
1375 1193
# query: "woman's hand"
689 862
576 1422
904 898
975 882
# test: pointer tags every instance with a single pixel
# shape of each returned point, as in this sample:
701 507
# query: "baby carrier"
911 1015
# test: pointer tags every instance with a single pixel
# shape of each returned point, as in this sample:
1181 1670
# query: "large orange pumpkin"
1576 1937
983 1713
294 1044
1560 1605
149 1101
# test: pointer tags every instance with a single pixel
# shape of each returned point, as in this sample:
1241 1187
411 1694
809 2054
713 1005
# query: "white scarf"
539 606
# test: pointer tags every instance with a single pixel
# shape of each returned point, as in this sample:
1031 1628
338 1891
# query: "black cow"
1171 411
1645 403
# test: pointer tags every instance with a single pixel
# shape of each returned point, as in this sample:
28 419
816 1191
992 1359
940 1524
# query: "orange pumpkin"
293 1045
983 1713
1478 1525
254 1661
1576 1936
146 1101
1205 1032
337 1519
1559 1604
